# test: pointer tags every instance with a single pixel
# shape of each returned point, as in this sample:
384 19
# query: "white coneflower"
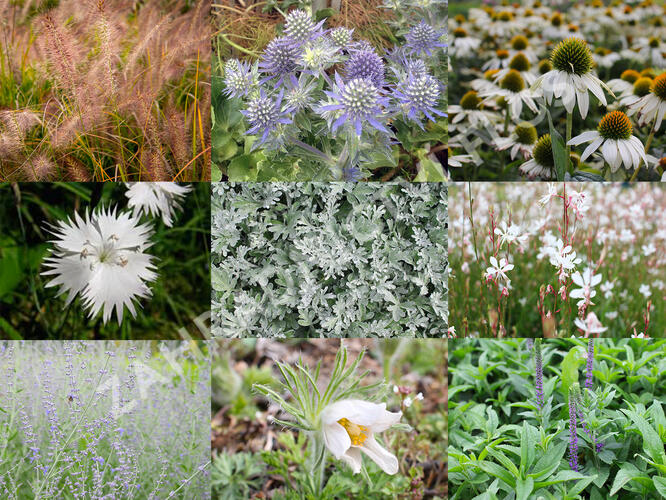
626 81
512 88
614 137
102 258
157 199
469 111
522 140
652 51
652 106
542 164
572 77
458 160
463 45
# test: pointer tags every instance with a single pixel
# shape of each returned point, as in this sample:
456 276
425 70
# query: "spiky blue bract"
365 64
264 114
360 102
424 38
300 93
419 94
300 27
238 78
280 59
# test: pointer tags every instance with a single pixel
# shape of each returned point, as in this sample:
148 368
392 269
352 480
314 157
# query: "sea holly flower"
365 64
423 38
239 78
348 427
264 114
360 101
299 26
157 199
613 136
417 95
280 59
102 257
572 77
341 36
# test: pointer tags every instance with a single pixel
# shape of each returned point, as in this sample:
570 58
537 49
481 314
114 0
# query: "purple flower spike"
360 101
424 38
590 361
573 436
538 362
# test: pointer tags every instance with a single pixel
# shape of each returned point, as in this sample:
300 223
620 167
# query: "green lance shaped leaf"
570 366
559 150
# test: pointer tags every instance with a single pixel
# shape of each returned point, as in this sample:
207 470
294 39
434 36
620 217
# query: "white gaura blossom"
102 258
349 426
157 199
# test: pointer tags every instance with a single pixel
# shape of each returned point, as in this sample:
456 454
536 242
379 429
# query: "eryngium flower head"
157 199
280 58
341 36
423 38
419 94
238 78
102 258
264 113
360 101
365 64
299 26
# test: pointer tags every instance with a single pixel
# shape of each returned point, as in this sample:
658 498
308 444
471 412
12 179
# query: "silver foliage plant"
329 260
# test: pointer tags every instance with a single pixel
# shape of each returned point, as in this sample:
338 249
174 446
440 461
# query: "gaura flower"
349 426
102 258
618 146
157 199
498 270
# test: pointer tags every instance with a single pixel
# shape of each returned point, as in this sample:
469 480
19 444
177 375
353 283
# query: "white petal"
386 460
353 459
592 148
625 152
609 152
355 410
584 137
336 439
583 102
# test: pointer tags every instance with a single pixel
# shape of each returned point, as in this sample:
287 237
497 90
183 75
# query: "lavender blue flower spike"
264 113
360 101
538 363
573 434
280 59
590 361
424 38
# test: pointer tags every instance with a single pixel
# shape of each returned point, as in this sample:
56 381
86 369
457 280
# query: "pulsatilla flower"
264 114
418 94
360 101
424 38
572 77
156 199
349 426
613 136
102 258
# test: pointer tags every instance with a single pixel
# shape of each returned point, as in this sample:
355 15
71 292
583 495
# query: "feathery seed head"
615 125
572 56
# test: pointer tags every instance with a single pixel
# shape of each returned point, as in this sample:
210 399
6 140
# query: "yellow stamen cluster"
357 433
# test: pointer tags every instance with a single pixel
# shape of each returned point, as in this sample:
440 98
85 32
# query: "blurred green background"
28 310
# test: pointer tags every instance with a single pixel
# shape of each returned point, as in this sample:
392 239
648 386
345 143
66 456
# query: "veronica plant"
312 92
341 417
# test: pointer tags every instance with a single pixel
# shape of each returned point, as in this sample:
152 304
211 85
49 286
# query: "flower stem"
647 148
313 150
568 150
506 120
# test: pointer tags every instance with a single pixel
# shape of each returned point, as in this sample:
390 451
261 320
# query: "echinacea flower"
360 101
522 140
512 88
102 258
158 199
423 38
349 426
542 163
613 136
651 107
572 77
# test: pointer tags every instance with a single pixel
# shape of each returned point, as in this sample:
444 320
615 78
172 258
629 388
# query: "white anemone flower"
349 426
572 77
102 258
613 136
157 199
